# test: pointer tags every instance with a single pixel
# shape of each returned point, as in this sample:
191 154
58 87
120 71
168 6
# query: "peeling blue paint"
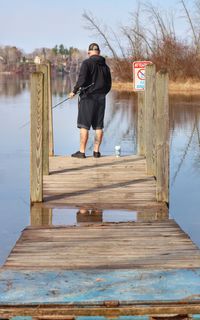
98 285
195 317
21 318
93 318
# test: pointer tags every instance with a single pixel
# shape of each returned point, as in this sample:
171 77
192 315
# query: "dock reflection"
40 215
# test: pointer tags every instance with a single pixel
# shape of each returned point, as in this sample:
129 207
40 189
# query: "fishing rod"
81 89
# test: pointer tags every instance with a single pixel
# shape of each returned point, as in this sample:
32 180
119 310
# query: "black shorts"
91 111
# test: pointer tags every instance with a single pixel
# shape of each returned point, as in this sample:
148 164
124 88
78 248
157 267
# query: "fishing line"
81 90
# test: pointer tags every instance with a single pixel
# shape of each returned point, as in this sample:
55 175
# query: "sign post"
139 75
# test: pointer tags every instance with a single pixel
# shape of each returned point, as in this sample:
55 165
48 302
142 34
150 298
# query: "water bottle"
117 151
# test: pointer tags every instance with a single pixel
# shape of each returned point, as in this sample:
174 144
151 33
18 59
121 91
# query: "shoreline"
187 87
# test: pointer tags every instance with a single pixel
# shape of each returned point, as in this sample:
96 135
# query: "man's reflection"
88 216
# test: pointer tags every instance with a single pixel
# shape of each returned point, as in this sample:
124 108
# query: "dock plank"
106 182
113 246
89 292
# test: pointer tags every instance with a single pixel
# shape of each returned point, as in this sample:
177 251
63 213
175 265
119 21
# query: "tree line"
63 59
152 34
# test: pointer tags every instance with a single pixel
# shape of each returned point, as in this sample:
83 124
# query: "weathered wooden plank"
45 126
148 245
162 167
92 311
110 312
150 118
158 290
116 182
36 153
141 124
51 139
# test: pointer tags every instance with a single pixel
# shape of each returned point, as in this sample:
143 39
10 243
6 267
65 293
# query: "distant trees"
151 35
66 52
62 58
10 57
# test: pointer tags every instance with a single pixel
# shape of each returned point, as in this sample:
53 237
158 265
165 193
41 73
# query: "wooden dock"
104 183
104 246
144 267
101 270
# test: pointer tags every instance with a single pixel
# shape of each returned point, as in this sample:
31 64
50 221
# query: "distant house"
37 60
2 64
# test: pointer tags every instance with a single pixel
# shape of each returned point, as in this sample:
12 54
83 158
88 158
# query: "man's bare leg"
83 139
98 139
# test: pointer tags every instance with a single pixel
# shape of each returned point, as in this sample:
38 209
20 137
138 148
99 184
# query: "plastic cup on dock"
117 151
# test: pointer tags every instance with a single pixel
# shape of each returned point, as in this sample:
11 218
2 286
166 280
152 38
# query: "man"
96 74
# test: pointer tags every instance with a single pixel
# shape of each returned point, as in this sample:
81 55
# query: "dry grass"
122 86
189 86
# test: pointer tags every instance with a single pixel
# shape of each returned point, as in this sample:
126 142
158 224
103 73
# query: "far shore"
183 87
186 87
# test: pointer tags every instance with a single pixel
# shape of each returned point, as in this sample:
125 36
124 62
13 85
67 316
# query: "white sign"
139 75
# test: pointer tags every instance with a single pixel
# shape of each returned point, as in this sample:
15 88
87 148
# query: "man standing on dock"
94 74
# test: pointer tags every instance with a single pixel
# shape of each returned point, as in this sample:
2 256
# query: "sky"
44 23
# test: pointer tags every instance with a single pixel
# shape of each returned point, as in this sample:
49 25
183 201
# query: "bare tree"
136 35
94 25
190 20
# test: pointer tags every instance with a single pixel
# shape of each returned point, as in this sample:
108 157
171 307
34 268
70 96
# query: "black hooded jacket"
94 70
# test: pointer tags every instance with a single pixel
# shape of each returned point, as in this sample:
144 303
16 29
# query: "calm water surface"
120 128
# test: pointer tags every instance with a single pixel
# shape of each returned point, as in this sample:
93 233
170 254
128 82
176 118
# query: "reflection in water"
62 85
12 85
120 129
185 119
184 163
43 216
89 216
40 216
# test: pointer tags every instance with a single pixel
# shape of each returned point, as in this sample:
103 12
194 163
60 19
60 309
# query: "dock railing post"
150 118
51 140
141 125
36 139
45 144
162 106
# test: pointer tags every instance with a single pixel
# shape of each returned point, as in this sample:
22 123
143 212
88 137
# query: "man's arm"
81 79
109 80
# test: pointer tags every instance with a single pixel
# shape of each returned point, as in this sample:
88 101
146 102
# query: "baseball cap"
93 46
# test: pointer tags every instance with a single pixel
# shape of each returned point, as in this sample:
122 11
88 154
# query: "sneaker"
96 154
78 154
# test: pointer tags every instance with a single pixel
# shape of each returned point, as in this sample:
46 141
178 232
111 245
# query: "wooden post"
162 103
45 148
141 125
36 155
150 118
51 140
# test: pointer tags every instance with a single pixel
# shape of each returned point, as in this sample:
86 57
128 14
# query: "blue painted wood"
98 285
22 318
120 318
93 318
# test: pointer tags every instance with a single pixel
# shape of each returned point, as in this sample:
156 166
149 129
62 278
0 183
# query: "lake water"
120 128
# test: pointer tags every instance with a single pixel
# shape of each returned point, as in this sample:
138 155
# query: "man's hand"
71 95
